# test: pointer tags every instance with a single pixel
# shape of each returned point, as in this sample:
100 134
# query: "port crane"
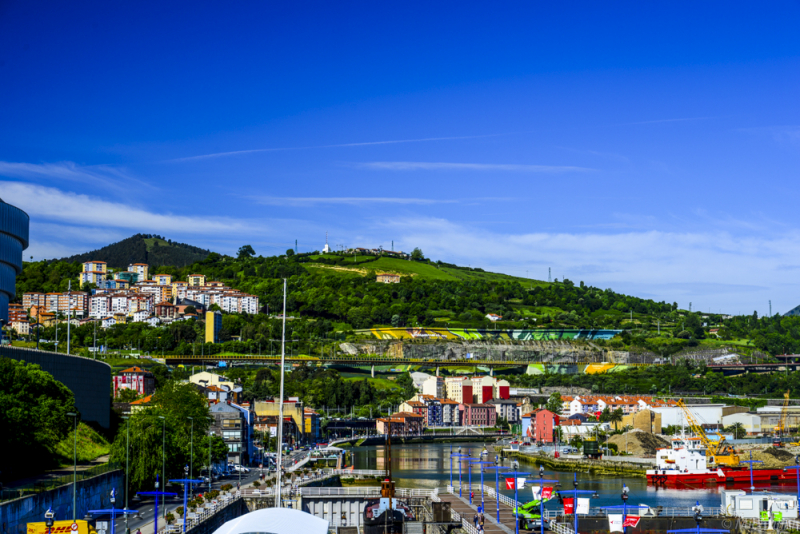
718 452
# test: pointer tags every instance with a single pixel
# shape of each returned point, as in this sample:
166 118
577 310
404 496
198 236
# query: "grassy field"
360 265
90 445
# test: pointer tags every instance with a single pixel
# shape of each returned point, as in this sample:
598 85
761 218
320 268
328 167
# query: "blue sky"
653 149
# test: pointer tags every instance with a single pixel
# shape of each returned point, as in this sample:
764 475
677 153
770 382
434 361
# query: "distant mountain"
144 248
793 311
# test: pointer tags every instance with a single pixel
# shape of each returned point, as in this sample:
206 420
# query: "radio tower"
549 275
770 308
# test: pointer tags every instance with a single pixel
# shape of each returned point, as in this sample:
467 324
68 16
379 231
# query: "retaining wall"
89 380
93 494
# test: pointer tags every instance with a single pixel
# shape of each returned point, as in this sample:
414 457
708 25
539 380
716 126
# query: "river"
428 466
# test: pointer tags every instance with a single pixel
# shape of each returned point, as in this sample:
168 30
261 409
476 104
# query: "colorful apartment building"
141 269
196 280
163 279
142 381
540 426
459 389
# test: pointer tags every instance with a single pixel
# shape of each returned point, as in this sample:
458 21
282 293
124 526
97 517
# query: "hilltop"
143 248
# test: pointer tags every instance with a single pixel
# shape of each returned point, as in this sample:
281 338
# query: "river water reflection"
428 466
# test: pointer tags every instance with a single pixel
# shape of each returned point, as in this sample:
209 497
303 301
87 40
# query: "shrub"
226 487
179 510
256 484
169 518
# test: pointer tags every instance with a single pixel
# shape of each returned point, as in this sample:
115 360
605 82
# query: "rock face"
638 443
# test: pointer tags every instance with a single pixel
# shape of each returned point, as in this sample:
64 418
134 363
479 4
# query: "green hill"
143 248
361 265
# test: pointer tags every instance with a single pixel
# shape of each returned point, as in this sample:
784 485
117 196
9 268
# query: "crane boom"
717 452
782 426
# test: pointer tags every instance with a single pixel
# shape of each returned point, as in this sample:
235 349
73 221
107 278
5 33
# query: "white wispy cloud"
714 269
339 145
73 209
353 201
433 165
97 175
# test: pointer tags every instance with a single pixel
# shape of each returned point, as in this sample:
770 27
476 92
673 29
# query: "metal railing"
51 483
197 517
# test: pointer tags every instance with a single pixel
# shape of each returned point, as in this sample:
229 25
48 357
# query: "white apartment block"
179 290
434 386
156 291
140 316
99 306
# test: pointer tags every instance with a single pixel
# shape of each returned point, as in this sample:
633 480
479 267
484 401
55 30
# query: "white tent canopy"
275 521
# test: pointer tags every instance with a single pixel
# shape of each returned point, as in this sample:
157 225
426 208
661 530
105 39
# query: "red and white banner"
520 483
539 493
583 506
615 523
631 521
569 508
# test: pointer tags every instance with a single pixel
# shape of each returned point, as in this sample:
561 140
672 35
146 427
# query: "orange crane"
717 452
783 427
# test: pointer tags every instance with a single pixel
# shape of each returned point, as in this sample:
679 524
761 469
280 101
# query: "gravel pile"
639 443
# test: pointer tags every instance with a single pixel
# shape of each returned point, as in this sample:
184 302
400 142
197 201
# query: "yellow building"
213 326
207 379
196 279
96 266
163 279
291 408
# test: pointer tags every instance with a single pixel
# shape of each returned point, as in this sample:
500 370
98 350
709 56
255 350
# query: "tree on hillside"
246 251
554 403
33 416
417 254
290 252
405 382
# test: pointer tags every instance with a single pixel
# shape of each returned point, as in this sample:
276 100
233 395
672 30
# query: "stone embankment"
597 467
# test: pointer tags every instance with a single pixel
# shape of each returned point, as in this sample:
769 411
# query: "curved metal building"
14 225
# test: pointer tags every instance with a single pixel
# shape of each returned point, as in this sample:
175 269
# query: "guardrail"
195 518
51 483
361 472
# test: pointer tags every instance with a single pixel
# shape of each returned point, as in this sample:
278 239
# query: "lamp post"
541 496
497 468
191 451
157 494
481 463
516 495
163 452
698 517
575 492
796 468
74 465
48 519
751 462
186 482
460 459
127 454
623 506
113 512
210 435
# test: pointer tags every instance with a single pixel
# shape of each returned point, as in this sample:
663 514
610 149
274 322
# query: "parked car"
241 468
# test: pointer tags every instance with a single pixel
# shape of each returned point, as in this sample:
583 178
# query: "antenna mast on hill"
770 308
549 275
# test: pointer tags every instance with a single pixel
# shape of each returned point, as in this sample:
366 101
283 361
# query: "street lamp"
48 519
191 450
157 494
698 517
186 482
497 468
623 506
74 465
113 512
575 492
163 453
541 496
516 495
127 476
796 468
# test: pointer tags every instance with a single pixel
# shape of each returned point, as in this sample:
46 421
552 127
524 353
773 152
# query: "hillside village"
133 295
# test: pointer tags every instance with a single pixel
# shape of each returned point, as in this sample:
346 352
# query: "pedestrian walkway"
467 511
461 505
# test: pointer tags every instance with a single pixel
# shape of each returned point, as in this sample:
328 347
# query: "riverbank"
408 440
596 467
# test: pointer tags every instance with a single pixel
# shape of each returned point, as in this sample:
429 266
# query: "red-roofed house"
135 378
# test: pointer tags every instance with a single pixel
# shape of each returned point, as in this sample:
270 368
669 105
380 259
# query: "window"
230 423
745 504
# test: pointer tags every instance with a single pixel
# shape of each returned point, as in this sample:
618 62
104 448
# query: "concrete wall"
93 494
89 380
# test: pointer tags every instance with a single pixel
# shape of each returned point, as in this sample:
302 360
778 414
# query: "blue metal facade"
14 225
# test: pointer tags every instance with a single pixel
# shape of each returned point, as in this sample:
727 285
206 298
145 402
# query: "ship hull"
389 522
721 476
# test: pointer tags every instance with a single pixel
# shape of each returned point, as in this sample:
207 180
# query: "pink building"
478 414
135 378
541 425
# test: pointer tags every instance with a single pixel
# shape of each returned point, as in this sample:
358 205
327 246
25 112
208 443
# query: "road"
147 506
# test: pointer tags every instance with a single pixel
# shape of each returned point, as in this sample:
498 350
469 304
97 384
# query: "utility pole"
69 310
549 275
279 463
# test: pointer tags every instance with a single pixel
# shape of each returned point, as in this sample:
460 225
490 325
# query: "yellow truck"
62 527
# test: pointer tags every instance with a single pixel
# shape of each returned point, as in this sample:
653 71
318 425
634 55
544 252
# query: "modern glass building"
14 225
